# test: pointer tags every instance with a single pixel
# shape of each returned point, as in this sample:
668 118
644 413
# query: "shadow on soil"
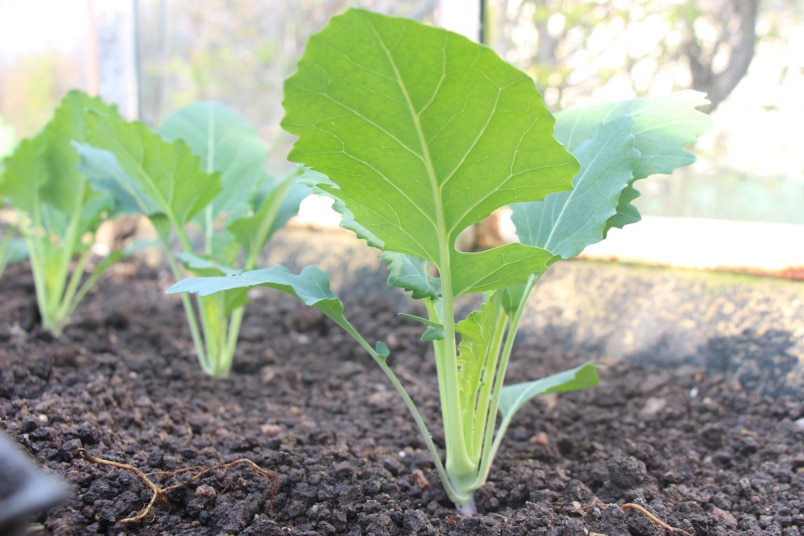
747 329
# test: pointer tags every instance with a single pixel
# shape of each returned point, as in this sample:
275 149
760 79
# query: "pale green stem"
38 269
71 242
459 465
235 320
438 350
208 229
212 330
36 238
189 311
71 297
452 492
221 346
88 284
492 441
482 415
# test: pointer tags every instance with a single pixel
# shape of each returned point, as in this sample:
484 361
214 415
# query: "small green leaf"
432 334
423 133
67 187
382 349
434 331
410 273
425 321
566 222
311 286
513 298
202 266
513 397
25 175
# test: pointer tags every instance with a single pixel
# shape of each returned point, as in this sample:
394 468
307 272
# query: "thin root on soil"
158 492
652 517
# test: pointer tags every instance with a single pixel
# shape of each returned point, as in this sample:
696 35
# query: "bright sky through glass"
38 25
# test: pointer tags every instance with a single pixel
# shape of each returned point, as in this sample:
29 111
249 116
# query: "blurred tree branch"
575 47
736 22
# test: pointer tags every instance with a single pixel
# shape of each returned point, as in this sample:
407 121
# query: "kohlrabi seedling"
203 169
57 211
418 133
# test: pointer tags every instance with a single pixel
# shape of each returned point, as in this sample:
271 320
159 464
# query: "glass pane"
237 52
746 55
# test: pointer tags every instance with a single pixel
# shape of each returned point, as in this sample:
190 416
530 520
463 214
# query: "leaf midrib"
584 174
441 228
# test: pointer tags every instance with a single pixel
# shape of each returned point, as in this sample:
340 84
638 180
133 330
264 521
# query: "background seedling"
202 169
57 211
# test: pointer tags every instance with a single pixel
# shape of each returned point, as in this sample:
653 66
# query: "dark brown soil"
699 416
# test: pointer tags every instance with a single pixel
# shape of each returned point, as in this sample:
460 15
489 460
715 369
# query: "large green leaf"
145 173
423 133
662 129
566 222
225 142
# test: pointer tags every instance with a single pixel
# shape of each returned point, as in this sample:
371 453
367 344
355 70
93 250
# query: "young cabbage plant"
203 169
57 211
419 133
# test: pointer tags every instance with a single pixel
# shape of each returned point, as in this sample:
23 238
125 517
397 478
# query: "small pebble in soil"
418 479
540 439
205 491
271 430
653 406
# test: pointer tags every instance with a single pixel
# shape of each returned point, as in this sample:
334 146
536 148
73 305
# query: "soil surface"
699 416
